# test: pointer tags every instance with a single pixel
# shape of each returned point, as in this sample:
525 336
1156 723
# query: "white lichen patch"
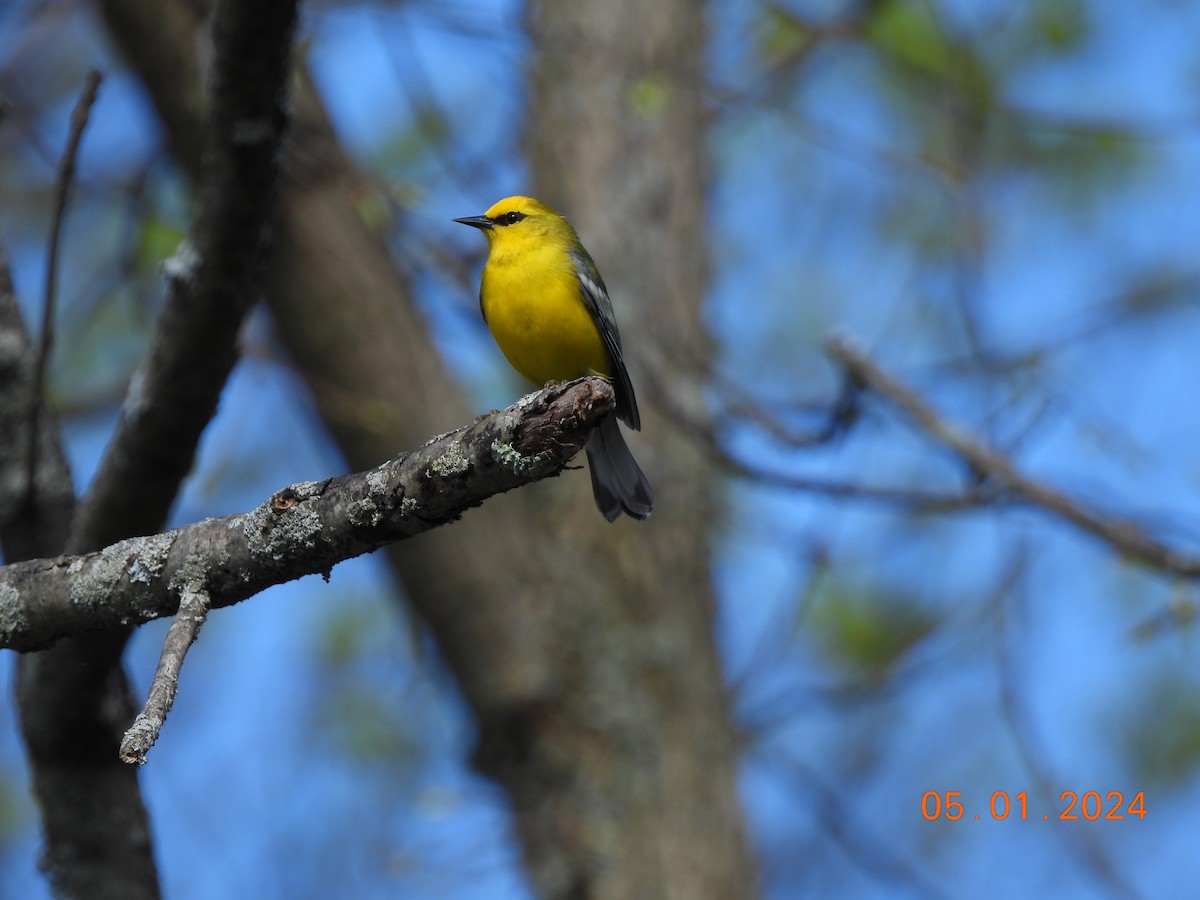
440 437
377 481
192 574
152 558
183 264
526 403
95 583
512 460
253 524
305 489
272 535
301 525
452 462
364 513
12 617
506 455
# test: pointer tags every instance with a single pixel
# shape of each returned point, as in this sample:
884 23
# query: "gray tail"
617 483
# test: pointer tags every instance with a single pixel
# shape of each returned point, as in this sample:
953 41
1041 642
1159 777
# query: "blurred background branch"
1126 537
73 698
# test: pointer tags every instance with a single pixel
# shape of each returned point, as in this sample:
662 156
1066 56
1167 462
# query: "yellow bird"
548 309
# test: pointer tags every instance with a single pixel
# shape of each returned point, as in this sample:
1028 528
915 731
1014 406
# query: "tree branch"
95 826
62 191
74 699
32 523
142 734
213 280
303 529
1125 536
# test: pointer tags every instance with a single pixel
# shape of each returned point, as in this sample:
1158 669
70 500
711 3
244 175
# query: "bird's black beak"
481 222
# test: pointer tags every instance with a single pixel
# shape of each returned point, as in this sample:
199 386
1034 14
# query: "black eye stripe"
509 218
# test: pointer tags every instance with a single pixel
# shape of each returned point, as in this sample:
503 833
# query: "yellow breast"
533 306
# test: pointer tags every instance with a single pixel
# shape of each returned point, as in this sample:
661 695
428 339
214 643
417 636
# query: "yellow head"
517 224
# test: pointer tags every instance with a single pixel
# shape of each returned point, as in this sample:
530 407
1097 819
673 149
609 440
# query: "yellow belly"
536 315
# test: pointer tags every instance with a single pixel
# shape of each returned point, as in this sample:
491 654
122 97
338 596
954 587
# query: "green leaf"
1162 731
1061 24
908 32
866 630
156 241
781 37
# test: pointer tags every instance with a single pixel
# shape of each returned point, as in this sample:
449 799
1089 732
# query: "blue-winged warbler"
548 309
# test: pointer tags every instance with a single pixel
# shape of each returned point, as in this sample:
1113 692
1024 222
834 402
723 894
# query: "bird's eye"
512 218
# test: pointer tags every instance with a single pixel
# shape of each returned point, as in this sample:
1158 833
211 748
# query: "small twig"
193 610
62 190
914 500
841 415
1124 535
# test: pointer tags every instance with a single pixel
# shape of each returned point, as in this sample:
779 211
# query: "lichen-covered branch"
303 529
142 734
62 190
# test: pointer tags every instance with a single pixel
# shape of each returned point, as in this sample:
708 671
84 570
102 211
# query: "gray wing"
595 298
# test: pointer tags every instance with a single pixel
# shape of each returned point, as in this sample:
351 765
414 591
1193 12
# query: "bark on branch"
303 529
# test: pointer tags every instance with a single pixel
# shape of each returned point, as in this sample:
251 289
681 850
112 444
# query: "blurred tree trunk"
73 698
616 138
584 649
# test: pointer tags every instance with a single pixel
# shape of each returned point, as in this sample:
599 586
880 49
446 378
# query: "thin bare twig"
1124 535
193 610
912 499
62 190
839 418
